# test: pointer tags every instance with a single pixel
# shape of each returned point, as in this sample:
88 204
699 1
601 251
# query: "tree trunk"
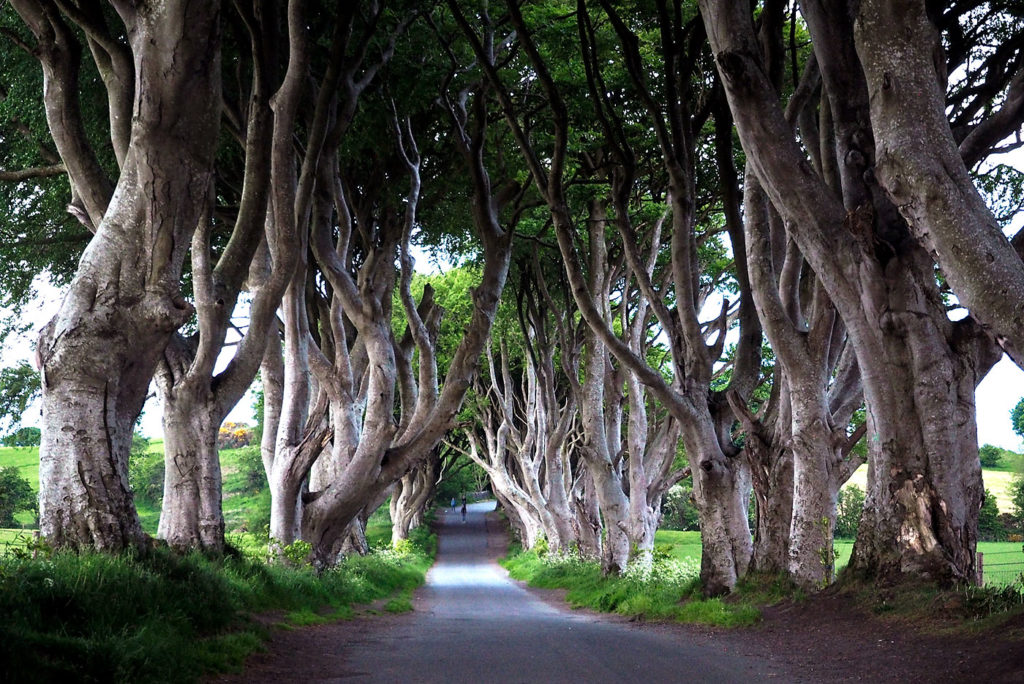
410 498
99 353
923 172
811 556
721 488
587 518
191 515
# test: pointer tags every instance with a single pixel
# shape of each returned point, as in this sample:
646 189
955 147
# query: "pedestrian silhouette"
463 512
453 504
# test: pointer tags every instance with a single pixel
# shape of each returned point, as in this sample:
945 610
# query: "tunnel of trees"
751 246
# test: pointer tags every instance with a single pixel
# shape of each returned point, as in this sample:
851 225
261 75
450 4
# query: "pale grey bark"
920 515
919 164
411 497
100 351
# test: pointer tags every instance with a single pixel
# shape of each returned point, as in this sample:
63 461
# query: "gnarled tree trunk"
99 353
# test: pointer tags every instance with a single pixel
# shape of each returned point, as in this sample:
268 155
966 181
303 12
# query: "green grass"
1004 560
682 546
169 618
668 591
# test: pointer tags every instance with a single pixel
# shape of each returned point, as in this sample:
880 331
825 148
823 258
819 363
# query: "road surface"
473 624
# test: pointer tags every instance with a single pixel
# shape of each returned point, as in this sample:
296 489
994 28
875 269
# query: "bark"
410 498
100 351
921 514
922 170
190 516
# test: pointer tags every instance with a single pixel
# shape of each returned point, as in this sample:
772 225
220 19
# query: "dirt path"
471 623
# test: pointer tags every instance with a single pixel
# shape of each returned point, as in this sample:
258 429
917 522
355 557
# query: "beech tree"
100 351
920 516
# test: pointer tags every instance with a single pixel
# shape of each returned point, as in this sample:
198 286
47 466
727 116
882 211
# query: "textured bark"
410 498
100 351
921 514
923 172
190 516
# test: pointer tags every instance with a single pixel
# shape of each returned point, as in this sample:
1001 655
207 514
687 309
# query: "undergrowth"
669 590
161 616
945 610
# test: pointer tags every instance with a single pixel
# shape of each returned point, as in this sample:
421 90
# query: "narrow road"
472 624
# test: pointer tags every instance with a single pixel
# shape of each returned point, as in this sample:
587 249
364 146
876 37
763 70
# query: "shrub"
1017 502
15 495
234 436
990 456
848 509
250 465
990 527
678 510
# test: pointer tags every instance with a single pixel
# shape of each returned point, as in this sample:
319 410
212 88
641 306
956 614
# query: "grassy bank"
668 591
169 618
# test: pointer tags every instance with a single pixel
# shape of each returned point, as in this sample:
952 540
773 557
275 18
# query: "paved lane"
473 624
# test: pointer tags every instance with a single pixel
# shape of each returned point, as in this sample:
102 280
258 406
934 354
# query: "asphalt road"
472 624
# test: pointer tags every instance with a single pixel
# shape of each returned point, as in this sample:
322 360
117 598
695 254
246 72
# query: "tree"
99 352
861 248
23 437
15 495
19 385
849 507
1017 501
1017 418
930 183
990 456
990 528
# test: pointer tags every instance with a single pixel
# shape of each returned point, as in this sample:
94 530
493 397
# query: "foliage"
678 510
258 406
15 495
848 509
250 465
145 472
23 437
990 528
1017 418
461 477
162 617
19 385
989 456
234 436
1017 502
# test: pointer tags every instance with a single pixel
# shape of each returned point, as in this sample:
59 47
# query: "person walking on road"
463 511
453 504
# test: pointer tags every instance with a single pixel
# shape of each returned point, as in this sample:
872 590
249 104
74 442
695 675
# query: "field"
996 481
1004 561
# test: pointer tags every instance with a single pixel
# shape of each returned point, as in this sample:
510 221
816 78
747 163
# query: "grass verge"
163 617
667 591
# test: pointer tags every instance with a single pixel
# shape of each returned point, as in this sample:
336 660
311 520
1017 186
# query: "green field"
996 481
1004 561
244 507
